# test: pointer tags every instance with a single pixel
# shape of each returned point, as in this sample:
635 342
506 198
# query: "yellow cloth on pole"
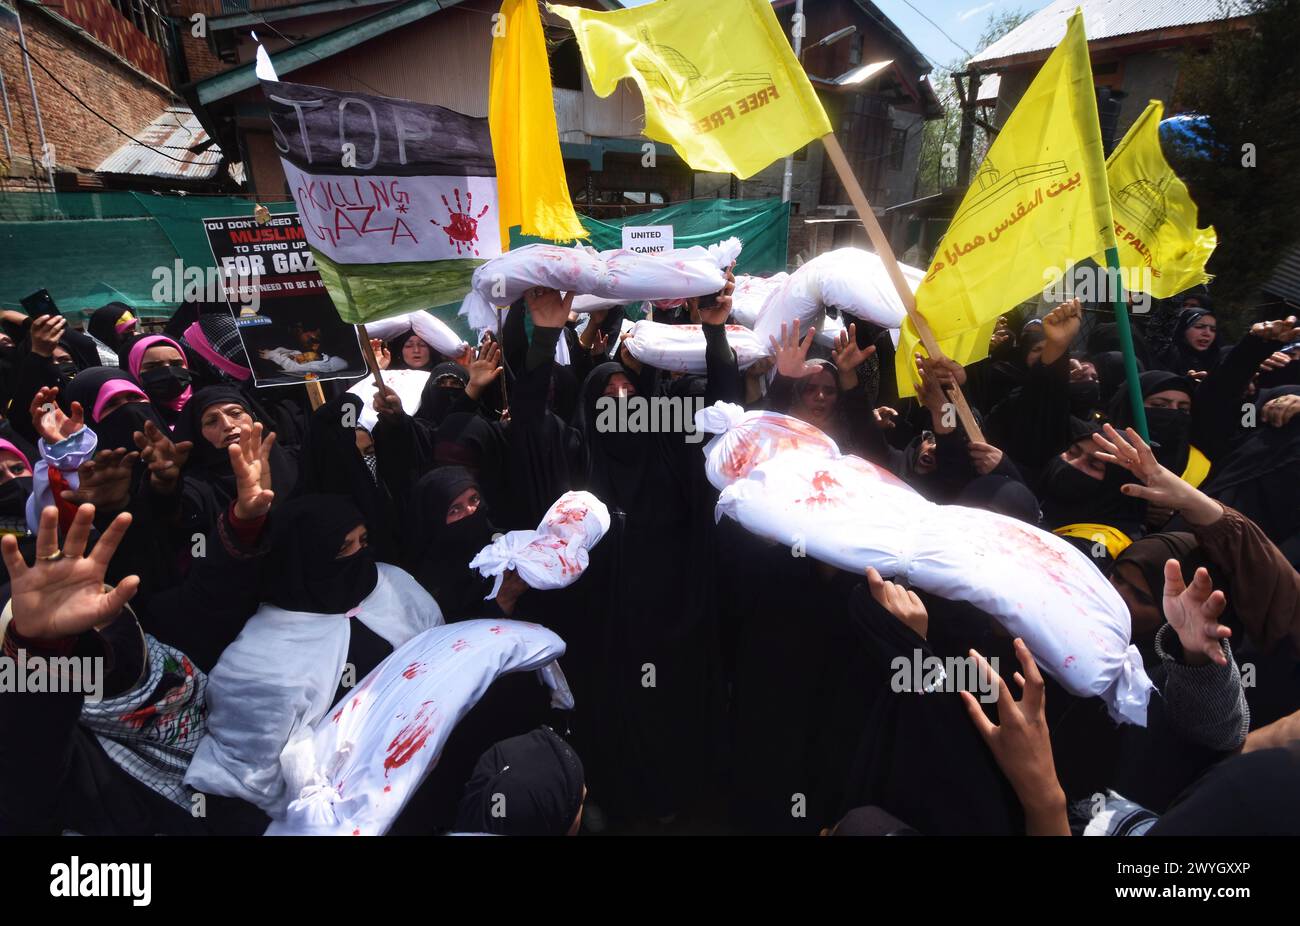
1161 251
532 191
718 77
1039 201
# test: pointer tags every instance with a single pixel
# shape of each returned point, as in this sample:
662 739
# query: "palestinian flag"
398 199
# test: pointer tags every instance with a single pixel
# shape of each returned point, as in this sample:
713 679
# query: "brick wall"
197 50
80 140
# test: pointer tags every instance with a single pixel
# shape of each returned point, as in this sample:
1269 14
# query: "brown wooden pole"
315 394
886 254
369 353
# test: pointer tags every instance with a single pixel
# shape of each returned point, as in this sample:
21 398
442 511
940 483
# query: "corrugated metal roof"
1102 19
172 135
1285 281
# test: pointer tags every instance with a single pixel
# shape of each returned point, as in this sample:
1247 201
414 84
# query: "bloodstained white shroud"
785 480
553 556
375 748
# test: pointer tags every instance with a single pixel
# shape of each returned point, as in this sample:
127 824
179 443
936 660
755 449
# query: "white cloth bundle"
750 294
555 554
848 278
681 348
624 276
746 439
278 679
408 384
852 514
375 748
432 331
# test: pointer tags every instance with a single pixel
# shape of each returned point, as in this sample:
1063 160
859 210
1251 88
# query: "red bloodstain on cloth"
410 739
413 670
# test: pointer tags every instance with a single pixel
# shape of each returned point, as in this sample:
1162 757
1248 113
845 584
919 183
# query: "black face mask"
1084 397
1171 430
67 369
13 496
116 429
165 384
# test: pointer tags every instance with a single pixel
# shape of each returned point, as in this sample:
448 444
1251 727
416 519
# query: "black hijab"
398 362
440 552
330 463
208 473
615 462
304 573
1070 496
1181 356
1169 428
436 401
538 776
103 325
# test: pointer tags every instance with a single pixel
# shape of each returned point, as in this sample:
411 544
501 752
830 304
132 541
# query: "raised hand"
45 334
625 356
936 376
886 417
62 593
848 356
792 353
1001 334
1061 327
721 311
899 601
164 458
1277 412
984 457
250 458
484 369
1160 486
1021 743
1275 361
1284 330
382 355
1194 611
387 404
548 307
48 419
105 480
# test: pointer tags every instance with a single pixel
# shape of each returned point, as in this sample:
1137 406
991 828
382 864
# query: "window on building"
855 50
566 60
146 16
897 148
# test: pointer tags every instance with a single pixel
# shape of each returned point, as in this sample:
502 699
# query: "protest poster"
285 318
648 239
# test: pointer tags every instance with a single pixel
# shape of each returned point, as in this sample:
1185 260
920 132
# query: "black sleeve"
1033 423
32 372
725 384
204 614
37 750
1216 410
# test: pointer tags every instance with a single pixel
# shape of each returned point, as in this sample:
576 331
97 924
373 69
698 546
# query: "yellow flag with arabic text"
1038 204
719 79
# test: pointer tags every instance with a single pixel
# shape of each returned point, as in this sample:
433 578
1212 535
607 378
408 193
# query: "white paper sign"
647 239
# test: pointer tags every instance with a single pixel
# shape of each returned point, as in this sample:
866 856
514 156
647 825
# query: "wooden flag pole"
369 353
315 394
886 254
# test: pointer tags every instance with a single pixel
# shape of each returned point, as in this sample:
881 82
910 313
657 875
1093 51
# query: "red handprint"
461 226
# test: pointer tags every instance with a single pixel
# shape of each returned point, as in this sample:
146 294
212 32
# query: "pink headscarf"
6 447
108 390
136 357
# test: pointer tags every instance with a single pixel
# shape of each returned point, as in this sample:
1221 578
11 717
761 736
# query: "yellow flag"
1039 202
531 189
1161 250
718 77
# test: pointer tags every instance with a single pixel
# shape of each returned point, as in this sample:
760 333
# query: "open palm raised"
62 593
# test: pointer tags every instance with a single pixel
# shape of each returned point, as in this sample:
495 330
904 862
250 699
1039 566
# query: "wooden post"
315 394
369 353
886 254
505 397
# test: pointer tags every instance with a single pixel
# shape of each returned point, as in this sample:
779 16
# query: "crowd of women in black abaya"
722 683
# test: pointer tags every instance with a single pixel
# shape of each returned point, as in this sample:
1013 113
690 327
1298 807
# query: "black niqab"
304 573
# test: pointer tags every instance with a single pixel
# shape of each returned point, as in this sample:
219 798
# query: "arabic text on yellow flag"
531 188
1161 250
718 77
1039 201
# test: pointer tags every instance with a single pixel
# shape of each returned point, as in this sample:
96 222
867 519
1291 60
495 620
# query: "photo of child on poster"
288 325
